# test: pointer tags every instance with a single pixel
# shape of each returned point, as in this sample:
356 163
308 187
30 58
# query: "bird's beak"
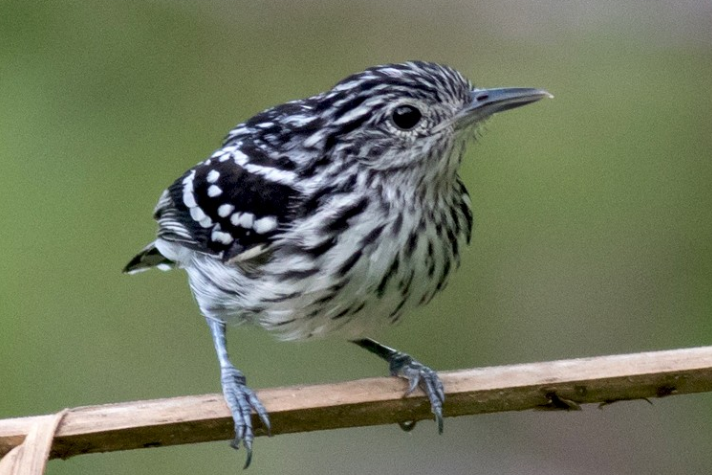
485 102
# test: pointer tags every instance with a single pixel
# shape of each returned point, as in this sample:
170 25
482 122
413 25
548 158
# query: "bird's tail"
146 259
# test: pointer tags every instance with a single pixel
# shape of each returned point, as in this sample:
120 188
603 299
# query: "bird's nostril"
483 97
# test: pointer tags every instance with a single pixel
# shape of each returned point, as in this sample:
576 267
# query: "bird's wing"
232 205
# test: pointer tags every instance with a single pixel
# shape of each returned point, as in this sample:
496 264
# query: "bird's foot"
418 375
242 400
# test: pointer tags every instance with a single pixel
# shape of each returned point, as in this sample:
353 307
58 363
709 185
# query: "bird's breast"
378 266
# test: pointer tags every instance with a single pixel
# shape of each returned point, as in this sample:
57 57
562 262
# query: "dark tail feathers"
149 257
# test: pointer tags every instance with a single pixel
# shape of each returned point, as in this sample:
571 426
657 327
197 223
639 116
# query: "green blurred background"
593 235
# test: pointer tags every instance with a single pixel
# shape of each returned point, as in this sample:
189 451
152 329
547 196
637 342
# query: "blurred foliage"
594 216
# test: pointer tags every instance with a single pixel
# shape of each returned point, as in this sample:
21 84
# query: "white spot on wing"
197 214
188 197
225 210
235 219
225 153
213 176
246 220
214 190
265 225
206 222
220 236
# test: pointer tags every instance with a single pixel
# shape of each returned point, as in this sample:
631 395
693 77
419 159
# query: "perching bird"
332 214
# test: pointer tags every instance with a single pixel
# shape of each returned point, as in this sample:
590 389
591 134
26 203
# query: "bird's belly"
381 285
349 289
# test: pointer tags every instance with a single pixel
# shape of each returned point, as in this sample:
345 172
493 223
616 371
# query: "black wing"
236 201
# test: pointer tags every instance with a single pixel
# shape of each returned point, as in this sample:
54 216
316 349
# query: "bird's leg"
240 399
417 374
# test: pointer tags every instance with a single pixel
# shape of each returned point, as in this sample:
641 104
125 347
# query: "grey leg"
240 399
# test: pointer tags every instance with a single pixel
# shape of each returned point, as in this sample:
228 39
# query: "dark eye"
406 117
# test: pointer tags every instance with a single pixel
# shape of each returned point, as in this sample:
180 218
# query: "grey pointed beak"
485 102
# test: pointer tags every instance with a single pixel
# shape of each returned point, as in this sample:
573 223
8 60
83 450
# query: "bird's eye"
406 117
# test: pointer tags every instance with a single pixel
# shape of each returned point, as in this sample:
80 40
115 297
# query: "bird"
331 215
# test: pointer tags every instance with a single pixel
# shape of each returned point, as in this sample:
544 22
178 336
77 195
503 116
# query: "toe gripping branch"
418 375
242 400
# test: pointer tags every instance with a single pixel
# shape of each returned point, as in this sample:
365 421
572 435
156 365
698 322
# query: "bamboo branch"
551 385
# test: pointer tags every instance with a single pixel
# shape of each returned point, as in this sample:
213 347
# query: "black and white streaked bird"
332 214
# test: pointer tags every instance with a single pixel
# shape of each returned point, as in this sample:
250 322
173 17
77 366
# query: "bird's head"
411 118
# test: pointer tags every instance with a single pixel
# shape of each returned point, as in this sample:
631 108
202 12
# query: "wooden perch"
551 385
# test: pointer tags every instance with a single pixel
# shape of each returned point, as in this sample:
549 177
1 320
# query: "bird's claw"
241 400
419 375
